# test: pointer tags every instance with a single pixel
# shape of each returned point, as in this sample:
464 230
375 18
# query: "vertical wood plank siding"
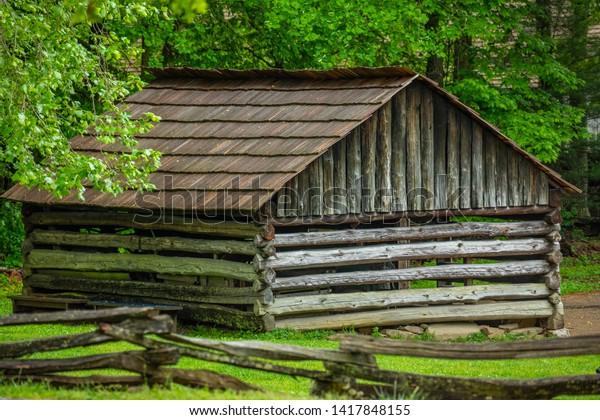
524 182
501 175
292 210
383 196
328 163
489 150
477 167
466 140
427 146
417 152
398 163
514 193
440 133
354 171
339 178
368 145
413 149
453 158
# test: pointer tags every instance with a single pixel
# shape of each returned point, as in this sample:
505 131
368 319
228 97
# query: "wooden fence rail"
341 368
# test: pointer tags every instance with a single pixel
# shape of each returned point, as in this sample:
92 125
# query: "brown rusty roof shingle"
231 138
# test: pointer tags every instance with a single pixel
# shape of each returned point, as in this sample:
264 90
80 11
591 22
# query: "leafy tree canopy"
61 67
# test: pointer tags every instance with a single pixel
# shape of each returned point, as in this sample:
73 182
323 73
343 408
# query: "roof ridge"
310 74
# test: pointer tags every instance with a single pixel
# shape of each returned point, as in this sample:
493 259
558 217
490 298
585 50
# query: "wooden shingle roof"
230 139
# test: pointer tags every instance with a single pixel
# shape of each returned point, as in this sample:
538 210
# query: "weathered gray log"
358 301
489 150
64 381
96 275
448 387
41 258
453 158
427 149
368 144
554 256
273 351
552 280
22 348
328 190
477 167
104 315
266 278
145 243
292 206
525 169
501 174
572 346
241 361
500 271
514 197
178 291
201 313
340 191
520 213
444 313
133 361
283 199
384 253
315 184
228 317
554 236
384 195
557 320
440 145
413 147
416 233
202 378
192 378
303 192
138 221
555 196
354 170
162 324
398 163
466 142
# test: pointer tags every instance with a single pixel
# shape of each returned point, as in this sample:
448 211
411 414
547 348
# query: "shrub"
11 234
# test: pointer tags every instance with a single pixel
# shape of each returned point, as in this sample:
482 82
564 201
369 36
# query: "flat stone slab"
398 334
415 329
452 330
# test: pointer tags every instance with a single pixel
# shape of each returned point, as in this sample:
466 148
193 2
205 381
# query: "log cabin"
308 199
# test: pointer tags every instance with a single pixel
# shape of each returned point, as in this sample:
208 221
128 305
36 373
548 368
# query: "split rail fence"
351 371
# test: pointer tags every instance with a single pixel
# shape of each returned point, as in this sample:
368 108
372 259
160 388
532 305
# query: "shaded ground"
582 313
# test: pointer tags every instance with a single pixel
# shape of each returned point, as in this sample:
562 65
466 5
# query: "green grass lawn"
580 274
576 277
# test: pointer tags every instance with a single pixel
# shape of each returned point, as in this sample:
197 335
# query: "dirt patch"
582 313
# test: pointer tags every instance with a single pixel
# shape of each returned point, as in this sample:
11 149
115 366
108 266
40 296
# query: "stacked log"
202 265
327 279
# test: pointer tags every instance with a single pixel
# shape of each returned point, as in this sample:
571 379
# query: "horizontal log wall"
344 277
416 315
398 298
417 152
204 266
417 233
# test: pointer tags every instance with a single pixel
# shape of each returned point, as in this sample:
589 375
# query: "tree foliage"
61 66
57 77
577 29
491 54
